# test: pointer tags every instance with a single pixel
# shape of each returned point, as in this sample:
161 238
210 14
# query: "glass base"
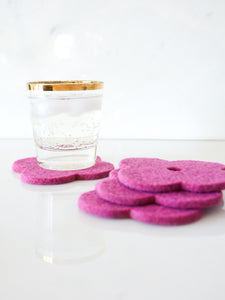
66 160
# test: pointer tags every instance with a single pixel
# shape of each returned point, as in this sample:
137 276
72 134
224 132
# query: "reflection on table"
61 236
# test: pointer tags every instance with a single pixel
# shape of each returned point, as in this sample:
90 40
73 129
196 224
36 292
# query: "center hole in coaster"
173 169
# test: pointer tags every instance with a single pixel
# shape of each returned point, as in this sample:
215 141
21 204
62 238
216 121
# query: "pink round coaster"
156 175
32 173
90 203
112 190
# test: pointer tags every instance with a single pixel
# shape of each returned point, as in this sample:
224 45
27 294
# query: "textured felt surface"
112 190
21 164
156 175
185 199
114 174
90 203
32 173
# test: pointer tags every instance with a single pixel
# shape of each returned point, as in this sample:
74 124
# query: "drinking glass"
66 119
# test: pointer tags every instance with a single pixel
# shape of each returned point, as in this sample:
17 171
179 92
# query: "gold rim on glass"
77 85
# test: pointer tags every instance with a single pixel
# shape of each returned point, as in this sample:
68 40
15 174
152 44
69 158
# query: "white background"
139 261
163 62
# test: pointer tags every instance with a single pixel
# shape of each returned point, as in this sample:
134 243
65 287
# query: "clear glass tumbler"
66 119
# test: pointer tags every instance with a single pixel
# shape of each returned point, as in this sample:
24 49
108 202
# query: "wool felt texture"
112 190
32 173
155 214
157 175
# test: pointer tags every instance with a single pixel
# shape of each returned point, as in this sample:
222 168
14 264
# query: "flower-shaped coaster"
112 190
32 173
157 175
155 214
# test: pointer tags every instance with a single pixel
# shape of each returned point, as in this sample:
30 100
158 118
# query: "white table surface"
51 250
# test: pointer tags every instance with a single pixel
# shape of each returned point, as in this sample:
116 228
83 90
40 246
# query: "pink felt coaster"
156 175
112 190
32 173
90 203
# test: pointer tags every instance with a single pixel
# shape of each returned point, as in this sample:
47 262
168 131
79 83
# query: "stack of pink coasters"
157 191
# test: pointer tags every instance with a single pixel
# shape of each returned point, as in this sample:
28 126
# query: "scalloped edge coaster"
90 203
157 175
110 189
32 173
